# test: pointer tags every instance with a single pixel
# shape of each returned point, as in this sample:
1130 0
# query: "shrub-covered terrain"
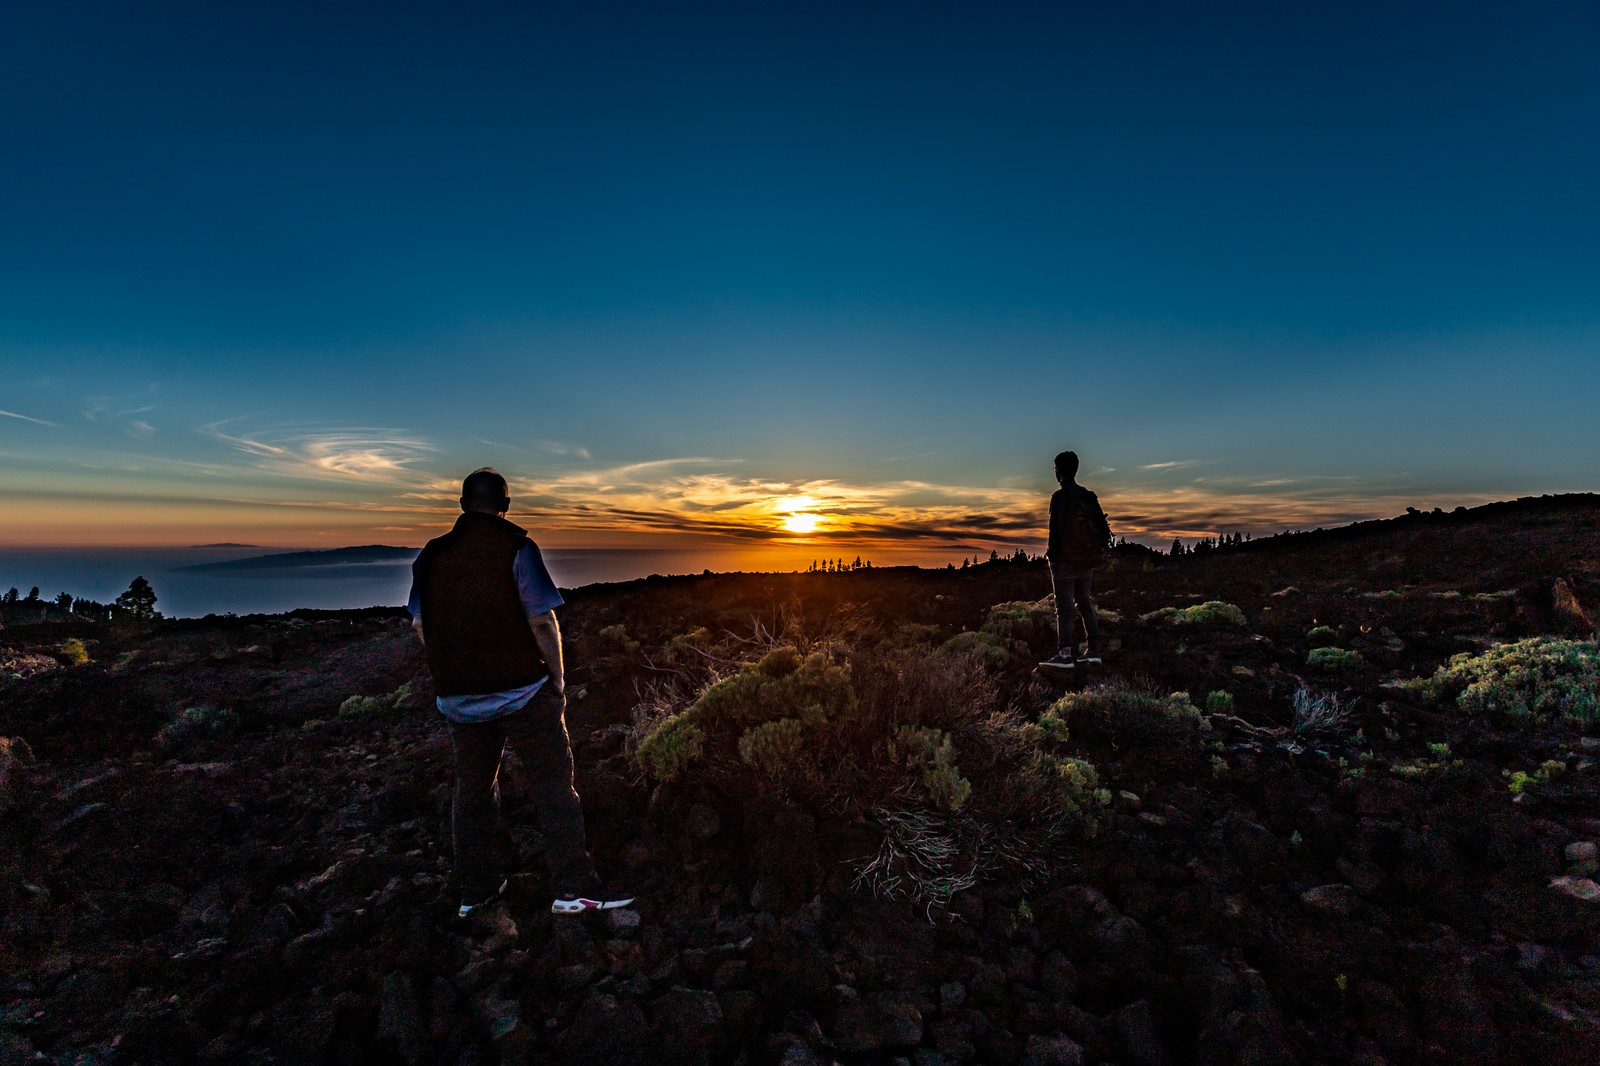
861 828
893 735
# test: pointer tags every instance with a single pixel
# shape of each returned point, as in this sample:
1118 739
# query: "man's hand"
547 634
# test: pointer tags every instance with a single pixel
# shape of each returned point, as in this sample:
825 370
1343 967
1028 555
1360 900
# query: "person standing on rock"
484 606
1080 537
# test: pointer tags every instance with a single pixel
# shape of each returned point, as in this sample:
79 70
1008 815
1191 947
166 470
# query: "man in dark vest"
1080 536
484 605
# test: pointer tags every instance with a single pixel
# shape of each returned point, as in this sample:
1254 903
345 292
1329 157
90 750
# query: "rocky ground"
210 853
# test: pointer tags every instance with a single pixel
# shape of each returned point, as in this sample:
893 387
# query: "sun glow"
800 522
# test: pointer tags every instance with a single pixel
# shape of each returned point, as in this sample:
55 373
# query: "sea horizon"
103 573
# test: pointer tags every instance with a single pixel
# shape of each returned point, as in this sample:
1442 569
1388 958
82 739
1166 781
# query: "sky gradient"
282 274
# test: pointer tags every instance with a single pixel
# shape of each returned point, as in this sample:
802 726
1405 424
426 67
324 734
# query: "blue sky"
283 273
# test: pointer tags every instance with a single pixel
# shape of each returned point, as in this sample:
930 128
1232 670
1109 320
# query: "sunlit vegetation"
1541 679
199 720
1013 633
368 708
73 652
1209 613
1322 636
1334 660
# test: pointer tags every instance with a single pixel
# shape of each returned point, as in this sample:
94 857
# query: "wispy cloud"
118 412
556 447
26 418
1174 464
360 453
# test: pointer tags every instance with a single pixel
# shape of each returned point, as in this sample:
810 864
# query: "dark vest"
477 633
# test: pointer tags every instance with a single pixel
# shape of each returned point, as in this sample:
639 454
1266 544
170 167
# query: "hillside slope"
210 853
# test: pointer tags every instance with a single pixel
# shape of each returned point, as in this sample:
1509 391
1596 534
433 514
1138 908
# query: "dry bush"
1314 714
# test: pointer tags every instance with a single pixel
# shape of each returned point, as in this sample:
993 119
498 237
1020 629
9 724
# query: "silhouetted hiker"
1079 539
483 597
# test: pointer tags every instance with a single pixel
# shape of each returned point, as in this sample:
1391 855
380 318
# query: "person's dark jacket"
1080 534
478 639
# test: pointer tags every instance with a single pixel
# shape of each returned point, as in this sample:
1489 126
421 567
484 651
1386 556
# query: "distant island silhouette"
365 554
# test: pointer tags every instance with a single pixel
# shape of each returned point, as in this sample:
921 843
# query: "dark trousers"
1073 597
539 733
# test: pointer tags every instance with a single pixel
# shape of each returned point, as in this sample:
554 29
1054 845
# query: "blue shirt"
539 594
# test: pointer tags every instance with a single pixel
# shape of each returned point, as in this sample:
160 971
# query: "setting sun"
800 522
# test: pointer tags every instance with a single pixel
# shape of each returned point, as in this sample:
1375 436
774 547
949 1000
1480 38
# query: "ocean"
104 573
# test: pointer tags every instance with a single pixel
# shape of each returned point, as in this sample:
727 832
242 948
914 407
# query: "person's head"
485 490
1066 466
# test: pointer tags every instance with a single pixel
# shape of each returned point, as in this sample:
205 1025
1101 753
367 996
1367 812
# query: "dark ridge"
366 553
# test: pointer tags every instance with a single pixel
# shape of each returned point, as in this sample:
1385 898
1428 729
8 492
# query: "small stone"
798 1054
888 1022
1136 1025
1337 900
400 1018
952 996
702 822
570 980
687 1018
624 920
1583 853
604 1029
1057 1050
1531 956
1578 888
730 975
1365 877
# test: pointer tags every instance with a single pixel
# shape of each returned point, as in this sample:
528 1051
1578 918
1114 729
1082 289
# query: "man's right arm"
547 634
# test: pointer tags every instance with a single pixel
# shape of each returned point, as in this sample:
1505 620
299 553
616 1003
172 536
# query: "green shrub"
1127 710
1322 636
929 754
1334 660
616 639
200 720
683 647
1517 781
1012 633
982 648
773 747
1220 702
907 740
1209 613
669 747
911 635
363 708
1542 679
72 652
